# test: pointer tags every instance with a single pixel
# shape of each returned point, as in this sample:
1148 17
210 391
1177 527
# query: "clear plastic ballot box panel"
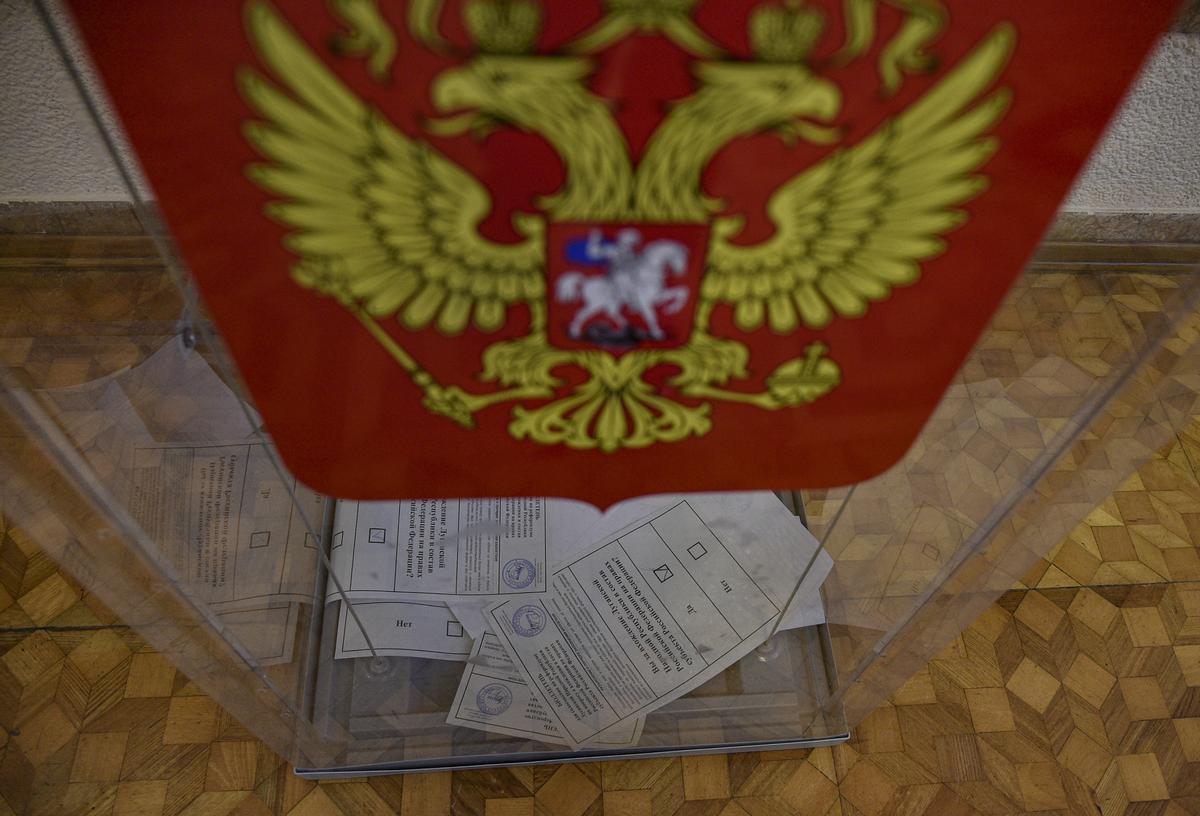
129 452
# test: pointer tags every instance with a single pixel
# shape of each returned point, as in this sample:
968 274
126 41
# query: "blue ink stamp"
519 573
494 698
529 620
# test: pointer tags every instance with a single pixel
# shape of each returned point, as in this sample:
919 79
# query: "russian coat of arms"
621 271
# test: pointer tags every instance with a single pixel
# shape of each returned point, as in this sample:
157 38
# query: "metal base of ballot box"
395 708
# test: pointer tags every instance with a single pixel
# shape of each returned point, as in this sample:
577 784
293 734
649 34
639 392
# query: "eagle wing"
860 223
378 219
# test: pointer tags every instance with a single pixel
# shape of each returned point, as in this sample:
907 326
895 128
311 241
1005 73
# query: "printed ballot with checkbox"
377 535
697 551
260 539
454 629
663 573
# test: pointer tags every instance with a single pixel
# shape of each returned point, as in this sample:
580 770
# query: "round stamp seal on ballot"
519 573
529 620
494 698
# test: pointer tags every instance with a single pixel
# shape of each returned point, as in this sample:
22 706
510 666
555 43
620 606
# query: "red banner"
511 247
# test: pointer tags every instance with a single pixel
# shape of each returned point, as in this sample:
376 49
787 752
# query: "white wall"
49 151
1149 161
49 148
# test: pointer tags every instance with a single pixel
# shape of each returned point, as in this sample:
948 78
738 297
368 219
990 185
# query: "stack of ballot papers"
573 624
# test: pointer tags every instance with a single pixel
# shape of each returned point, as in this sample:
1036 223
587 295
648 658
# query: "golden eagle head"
522 91
755 96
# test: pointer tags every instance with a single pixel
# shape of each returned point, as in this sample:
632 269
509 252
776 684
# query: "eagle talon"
452 403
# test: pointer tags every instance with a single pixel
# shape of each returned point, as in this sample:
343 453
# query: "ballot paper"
655 610
806 608
440 549
179 449
401 629
801 552
572 527
493 696
402 562
226 519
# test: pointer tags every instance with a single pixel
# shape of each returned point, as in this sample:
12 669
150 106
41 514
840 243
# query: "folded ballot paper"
574 624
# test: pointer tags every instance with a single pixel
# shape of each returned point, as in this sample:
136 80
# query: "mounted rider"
634 279
620 257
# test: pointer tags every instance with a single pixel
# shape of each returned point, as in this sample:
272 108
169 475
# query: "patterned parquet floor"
1077 692
1075 696
1078 695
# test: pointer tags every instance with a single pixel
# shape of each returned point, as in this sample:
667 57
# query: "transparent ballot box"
131 453
116 397
114 390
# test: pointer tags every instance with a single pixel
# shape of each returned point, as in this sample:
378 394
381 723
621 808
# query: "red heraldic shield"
619 287
474 247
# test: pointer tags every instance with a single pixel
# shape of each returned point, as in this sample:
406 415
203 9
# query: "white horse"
639 283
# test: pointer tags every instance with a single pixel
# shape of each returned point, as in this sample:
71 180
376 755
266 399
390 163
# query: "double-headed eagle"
388 225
